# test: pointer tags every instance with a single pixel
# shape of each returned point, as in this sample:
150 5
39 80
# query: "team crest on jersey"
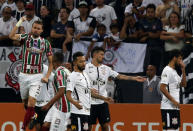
174 121
11 76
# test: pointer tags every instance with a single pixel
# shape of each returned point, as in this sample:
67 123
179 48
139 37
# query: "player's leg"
47 120
93 116
104 116
170 119
34 92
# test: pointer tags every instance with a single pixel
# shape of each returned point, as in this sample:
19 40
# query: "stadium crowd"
163 24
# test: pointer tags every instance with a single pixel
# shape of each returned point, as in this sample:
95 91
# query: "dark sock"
28 115
44 128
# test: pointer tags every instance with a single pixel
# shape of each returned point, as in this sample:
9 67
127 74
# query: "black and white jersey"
80 26
185 7
99 78
79 84
170 78
18 14
6 27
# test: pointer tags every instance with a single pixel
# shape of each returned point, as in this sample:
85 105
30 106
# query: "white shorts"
30 85
59 120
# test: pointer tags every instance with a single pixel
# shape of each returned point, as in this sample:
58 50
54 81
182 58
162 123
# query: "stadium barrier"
124 117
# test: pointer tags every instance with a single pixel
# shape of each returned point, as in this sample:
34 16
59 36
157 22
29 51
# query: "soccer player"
34 48
99 74
46 94
79 94
57 116
170 87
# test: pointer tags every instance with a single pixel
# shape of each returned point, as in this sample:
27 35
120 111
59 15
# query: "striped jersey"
33 51
60 77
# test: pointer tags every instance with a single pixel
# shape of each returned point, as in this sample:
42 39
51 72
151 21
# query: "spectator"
20 10
39 3
151 87
164 10
58 33
9 3
119 7
173 34
135 9
129 31
149 32
189 24
31 17
184 8
2 2
115 40
145 3
47 20
104 14
7 22
82 27
100 36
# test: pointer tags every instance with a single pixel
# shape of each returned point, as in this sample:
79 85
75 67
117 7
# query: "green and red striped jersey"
60 77
33 51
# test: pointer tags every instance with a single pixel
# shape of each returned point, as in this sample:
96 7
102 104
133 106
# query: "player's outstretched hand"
44 80
140 79
109 100
78 105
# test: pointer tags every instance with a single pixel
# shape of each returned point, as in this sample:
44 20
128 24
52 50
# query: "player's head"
57 60
151 71
37 28
175 56
150 11
101 29
98 54
79 61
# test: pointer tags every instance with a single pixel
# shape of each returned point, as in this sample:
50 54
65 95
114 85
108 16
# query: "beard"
35 35
80 68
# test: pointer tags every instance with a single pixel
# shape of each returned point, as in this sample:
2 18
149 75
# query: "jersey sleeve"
165 77
48 48
113 73
70 83
61 78
113 14
93 23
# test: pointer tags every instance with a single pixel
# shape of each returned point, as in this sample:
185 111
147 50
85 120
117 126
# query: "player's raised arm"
13 34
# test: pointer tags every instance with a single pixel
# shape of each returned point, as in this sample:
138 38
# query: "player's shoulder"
74 75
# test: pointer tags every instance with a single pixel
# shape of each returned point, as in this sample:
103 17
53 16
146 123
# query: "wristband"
19 23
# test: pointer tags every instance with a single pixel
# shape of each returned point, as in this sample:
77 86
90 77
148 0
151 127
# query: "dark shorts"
41 115
79 121
170 118
100 112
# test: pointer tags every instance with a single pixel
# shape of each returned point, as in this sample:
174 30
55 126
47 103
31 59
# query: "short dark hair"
58 57
38 22
174 53
96 50
152 6
67 10
114 25
101 26
76 55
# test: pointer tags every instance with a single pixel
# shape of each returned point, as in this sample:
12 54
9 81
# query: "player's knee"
46 125
31 101
105 126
